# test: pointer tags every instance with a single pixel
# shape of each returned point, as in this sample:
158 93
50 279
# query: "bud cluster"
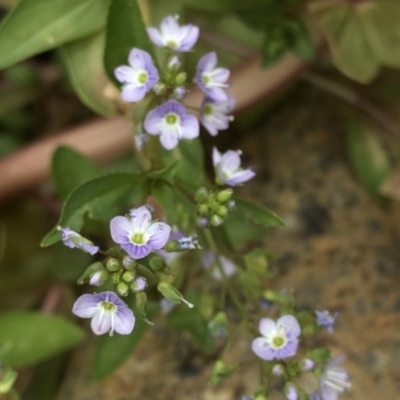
213 206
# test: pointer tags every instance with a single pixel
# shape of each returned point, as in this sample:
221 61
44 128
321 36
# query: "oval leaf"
83 60
101 198
34 26
30 337
71 169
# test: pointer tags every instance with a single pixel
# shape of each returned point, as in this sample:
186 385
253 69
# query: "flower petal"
124 321
155 37
216 156
262 349
86 306
290 326
159 234
241 176
169 140
125 74
140 219
190 126
139 59
152 122
101 323
267 327
120 228
170 27
135 251
189 35
132 93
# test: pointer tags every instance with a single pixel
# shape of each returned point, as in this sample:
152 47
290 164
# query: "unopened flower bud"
128 276
159 88
89 272
231 205
128 263
291 392
224 195
221 371
174 64
277 370
203 209
122 288
156 263
139 284
113 265
216 220
307 364
180 79
141 303
172 294
99 277
180 92
222 211
201 195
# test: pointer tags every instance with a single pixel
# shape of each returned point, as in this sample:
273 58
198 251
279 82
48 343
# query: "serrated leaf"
111 351
101 198
370 161
30 337
257 213
83 60
71 169
125 30
35 26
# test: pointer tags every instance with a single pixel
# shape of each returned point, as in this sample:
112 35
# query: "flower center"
205 79
108 306
171 118
139 238
171 44
143 77
278 341
208 109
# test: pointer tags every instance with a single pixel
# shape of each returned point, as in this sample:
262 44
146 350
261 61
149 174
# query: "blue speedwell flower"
279 339
107 311
210 79
173 36
227 168
74 240
137 234
326 319
214 114
334 380
291 392
172 122
137 78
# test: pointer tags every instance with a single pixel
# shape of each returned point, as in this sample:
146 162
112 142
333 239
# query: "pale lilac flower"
127 261
74 240
174 64
107 311
291 392
227 168
279 339
140 140
178 38
138 78
227 265
172 122
210 79
138 235
277 370
326 319
214 114
98 278
314 396
334 380
180 92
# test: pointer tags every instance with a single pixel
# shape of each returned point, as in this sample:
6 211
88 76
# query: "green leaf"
101 198
83 60
223 5
164 193
125 30
111 351
30 337
166 174
301 41
370 161
35 26
71 169
257 213
276 43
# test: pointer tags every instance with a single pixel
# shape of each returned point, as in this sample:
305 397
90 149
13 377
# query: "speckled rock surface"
340 250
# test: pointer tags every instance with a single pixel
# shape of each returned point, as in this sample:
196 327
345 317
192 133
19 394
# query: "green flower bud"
159 88
141 303
201 195
216 220
113 265
203 209
222 211
116 277
224 195
180 79
7 379
122 288
172 294
128 276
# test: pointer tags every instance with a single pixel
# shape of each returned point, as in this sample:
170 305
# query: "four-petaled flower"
334 380
74 240
178 38
212 80
326 319
172 122
138 235
138 78
107 311
214 114
227 168
279 339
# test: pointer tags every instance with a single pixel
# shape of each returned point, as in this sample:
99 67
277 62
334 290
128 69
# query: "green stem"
231 291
